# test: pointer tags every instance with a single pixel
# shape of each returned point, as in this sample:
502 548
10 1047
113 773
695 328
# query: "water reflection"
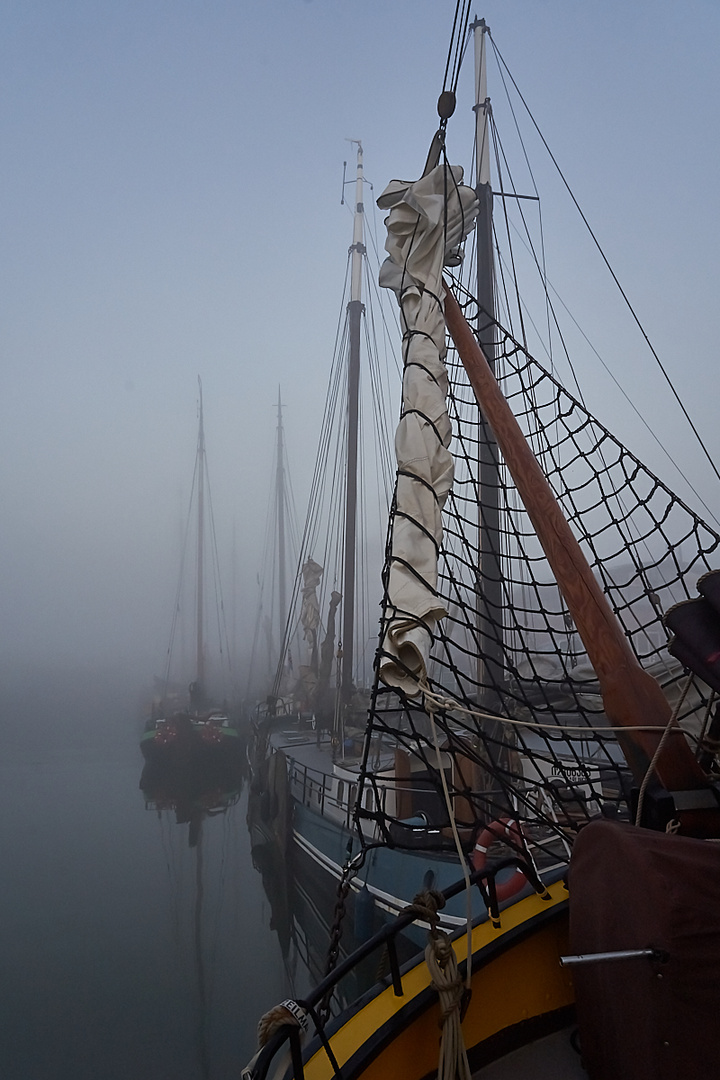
304 903
193 792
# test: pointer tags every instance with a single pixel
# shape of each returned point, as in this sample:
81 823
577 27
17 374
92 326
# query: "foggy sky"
171 207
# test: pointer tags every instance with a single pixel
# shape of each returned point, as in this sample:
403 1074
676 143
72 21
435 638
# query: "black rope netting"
516 704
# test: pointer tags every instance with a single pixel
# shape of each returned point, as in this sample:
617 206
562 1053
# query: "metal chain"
349 871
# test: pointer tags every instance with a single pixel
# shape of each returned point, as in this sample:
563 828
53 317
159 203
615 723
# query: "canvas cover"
633 888
428 220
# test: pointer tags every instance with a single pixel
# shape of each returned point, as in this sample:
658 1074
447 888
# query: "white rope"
452 705
442 964
651 767
430 710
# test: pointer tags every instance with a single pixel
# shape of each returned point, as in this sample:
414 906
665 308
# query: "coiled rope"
446 980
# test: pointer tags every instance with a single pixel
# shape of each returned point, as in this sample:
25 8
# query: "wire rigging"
624 295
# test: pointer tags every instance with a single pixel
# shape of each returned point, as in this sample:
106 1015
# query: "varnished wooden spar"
630 695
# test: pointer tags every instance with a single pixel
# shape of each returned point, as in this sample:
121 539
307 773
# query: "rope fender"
287 1014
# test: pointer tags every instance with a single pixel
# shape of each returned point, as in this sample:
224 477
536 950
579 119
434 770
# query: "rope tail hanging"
453 996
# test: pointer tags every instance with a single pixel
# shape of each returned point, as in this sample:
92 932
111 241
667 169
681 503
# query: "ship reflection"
192 793
305 913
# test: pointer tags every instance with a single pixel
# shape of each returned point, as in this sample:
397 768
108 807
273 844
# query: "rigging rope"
614 276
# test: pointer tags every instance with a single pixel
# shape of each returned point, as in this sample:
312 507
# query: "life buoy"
509 830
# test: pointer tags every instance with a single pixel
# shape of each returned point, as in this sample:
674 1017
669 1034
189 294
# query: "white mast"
491 651
482 106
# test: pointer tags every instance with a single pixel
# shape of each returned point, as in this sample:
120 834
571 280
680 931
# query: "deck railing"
316 1004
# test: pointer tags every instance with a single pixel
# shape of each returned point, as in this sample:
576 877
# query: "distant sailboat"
197 733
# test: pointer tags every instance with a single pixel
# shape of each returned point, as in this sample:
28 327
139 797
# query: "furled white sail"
428 220
312 573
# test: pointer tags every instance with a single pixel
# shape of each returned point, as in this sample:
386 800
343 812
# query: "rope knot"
426 905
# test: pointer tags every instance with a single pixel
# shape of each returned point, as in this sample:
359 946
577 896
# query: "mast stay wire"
309 534
325 494
527 241
541 267
456 48
605 259
540 264
612 376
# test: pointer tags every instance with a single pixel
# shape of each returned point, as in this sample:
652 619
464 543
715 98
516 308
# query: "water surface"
126 953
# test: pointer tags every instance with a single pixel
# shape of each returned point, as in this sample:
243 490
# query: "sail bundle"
428 220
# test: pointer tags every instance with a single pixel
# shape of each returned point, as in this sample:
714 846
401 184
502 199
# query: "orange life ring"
507 829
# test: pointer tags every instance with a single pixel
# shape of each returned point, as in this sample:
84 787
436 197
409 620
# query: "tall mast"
354 311
200 662
490 580
280 509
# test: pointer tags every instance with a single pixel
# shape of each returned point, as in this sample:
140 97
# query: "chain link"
349 871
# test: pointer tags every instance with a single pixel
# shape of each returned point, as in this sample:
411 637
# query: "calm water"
124 952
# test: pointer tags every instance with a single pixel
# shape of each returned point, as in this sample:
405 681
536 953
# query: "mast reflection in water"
304 901
208 923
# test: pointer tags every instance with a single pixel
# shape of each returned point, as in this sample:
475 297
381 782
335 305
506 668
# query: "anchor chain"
349 871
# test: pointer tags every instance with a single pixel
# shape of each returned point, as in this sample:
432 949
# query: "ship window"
340 791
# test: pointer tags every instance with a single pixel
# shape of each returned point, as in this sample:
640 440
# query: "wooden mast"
199 600
354 311
630 695
280 510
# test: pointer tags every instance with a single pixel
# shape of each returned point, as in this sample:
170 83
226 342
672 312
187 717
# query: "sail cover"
312 573
428 220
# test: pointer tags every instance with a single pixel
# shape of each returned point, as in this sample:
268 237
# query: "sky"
171 181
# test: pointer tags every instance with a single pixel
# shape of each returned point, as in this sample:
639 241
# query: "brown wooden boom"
631 696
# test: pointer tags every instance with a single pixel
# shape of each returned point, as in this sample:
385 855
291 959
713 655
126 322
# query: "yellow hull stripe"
522 982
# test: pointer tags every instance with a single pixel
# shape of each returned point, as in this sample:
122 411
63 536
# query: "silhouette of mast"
200 659
354 313
280 497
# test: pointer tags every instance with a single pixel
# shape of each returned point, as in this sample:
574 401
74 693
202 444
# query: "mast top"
482 106
358 245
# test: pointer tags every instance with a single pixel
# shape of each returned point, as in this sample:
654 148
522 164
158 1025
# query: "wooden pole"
631 696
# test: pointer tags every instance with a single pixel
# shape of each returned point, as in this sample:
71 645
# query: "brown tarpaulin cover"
635 889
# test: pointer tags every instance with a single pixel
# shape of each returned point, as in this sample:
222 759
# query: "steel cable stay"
612 273
323 533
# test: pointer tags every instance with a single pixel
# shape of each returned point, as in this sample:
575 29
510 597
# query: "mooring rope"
442 965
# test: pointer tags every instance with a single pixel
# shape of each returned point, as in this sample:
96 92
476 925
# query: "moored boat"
197 731
527 724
